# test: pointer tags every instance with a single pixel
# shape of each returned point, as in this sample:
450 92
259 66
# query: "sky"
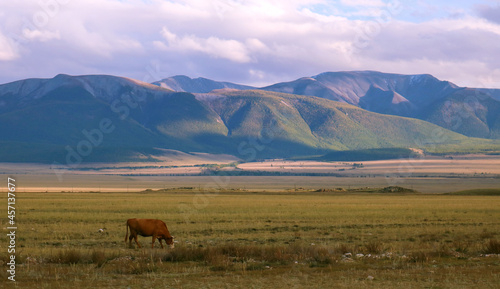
251 42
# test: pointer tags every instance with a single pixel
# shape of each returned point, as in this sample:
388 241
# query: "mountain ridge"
73 119
182 83
402 95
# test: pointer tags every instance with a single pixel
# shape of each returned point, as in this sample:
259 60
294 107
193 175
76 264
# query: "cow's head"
169 241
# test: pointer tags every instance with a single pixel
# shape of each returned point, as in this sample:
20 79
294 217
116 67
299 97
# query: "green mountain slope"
323 125
470 111
69 120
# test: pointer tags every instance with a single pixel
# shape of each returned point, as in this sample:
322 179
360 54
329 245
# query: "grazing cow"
147 228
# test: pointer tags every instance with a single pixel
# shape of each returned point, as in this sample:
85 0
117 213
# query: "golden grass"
269 240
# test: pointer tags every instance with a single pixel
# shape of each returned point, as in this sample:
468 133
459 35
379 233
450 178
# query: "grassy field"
238 239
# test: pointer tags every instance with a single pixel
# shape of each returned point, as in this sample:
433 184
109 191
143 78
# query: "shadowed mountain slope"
74 119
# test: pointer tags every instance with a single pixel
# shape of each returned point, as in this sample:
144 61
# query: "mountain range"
469 111
101 118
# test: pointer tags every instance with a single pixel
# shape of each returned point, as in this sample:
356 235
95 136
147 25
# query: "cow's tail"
126 235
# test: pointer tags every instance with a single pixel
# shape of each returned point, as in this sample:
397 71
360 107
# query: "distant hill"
74 119
181 83
361 88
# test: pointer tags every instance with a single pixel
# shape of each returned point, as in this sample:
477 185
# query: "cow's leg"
130 240
161 244
135 238
153 242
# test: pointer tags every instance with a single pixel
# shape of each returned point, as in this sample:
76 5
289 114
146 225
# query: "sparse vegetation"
492 247
335 238
369 154
478 192
396 189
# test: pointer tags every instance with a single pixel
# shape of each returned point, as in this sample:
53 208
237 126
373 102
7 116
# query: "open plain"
259 240
277 224
230 239
426 175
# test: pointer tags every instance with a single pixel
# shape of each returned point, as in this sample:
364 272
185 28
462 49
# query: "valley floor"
427 175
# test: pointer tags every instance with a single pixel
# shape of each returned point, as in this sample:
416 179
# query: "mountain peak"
351 86
182 83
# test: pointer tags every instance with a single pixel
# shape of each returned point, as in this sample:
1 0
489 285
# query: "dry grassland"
232 239
457 165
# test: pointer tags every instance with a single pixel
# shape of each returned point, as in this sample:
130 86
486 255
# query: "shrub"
98 257
462 247
492 247
69 256
419 257
374 247
344 248
486 235
182 254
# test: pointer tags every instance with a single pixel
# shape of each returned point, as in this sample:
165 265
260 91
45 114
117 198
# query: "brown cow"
146 228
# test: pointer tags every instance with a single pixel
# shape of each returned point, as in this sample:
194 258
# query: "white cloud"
255 45
40 35
459 73
230 49
443 40
7 49
364 3
467 22
247 40
219 48
169 36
